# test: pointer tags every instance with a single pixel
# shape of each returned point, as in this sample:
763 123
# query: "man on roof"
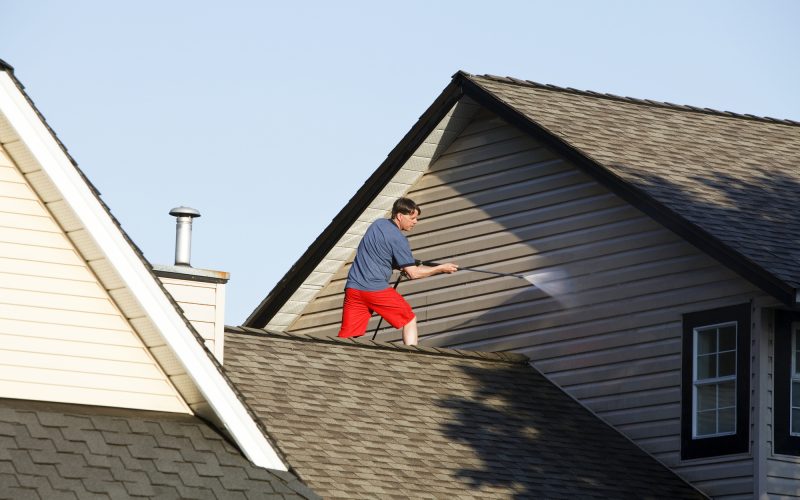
383 248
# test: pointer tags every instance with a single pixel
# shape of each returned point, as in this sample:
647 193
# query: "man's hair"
405 206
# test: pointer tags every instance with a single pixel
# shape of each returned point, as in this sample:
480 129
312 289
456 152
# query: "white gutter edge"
140 282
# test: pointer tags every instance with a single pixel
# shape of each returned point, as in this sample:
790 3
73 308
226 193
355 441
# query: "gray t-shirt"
382 249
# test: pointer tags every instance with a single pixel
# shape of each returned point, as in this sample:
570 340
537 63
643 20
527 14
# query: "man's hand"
423 271
447 267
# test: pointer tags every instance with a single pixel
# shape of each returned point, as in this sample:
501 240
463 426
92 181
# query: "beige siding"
62 337
499 201
203 304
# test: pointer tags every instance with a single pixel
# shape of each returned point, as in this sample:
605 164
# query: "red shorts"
359 306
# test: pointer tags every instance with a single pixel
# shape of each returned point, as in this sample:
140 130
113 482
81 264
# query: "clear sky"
268 116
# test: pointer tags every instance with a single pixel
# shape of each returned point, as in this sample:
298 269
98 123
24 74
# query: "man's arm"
421 271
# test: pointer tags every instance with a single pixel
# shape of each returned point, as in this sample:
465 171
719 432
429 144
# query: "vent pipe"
183 234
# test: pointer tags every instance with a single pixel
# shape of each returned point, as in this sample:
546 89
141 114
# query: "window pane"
796 394
727 394
727 363
727 338
707 341
795 421
706 422
796 343
796 362
706 397
706 366
727 420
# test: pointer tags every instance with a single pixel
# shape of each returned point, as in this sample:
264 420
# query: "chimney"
199 292
183 234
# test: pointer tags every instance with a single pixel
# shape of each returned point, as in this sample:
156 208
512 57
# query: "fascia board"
97 221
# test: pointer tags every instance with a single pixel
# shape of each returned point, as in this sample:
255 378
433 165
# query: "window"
715 394
787 383
714 380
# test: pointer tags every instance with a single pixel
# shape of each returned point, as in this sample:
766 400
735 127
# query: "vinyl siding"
62 336
498 200
437 141
203 304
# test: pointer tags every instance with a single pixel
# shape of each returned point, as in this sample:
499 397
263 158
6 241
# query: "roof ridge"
502 357
634 100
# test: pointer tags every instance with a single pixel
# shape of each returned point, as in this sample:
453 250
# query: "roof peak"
502 357
631 100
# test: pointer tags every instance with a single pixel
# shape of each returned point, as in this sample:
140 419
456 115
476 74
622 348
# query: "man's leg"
355 315
395 310
410 332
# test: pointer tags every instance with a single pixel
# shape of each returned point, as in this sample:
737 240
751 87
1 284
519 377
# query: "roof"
724 182
123 270
52 450
362 419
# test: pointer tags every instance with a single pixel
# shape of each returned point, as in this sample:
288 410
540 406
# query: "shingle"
727 173
121 455
457 423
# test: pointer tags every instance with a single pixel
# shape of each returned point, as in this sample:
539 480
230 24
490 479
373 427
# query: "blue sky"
267 117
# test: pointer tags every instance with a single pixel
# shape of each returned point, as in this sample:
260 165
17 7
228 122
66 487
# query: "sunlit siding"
611 332
203 304
62 337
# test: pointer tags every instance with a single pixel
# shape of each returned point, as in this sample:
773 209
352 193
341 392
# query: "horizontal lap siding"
62 338
782 477
203 305
502 202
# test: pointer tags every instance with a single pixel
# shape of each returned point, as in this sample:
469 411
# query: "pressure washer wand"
433 264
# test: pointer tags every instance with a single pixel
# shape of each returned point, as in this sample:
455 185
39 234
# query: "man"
382 249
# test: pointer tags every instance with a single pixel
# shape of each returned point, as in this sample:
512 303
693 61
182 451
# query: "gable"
123 272
499 200
723 182
62 337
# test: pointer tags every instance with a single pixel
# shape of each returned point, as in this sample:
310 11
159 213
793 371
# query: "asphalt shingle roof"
58 451
735 176
357 419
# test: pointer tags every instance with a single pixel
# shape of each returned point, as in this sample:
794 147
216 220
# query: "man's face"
407 222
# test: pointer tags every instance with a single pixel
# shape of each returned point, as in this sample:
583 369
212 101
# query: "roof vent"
183 234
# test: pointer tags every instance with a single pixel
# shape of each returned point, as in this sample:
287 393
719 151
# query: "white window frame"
794 376
715 380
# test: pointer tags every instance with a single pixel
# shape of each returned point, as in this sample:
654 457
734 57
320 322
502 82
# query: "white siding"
497 200
203 305
62 337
